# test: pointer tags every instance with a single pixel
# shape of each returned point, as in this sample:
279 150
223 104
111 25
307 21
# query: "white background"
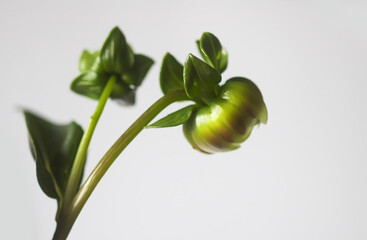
301 176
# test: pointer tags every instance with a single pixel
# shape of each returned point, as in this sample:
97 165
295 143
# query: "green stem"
78 165
65 224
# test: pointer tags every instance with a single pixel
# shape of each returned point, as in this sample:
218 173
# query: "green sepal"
200 80
123 93
136 74
212 51
116 55
223 60
174 119
89 84
53 148
90 61
171 75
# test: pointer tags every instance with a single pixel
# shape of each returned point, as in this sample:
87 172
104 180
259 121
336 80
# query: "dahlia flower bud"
222 116
115 59
228 120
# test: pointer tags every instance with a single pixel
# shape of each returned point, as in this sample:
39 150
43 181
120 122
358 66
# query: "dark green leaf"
171 76
54 148
123 93
116 55
174 119
200 80
136 74
212 51
90 61
90 84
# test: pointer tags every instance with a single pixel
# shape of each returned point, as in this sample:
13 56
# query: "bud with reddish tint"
228 121
221 116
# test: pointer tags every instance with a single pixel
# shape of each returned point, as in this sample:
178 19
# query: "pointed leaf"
200 80
53 148
171 75
136 74
90 61
174 119
90 84
116 55
212 51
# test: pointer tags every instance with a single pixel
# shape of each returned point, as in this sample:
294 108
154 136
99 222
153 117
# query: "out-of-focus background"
302 176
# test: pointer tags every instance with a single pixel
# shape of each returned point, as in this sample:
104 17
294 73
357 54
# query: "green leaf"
90 84
200 80
90 61
123 93
116 55
136 74
212 51
53 148
171 75
174 119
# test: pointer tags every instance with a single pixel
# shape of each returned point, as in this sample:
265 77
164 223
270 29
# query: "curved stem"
65 224
78 165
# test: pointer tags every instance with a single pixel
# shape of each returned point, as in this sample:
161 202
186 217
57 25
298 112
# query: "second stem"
78 166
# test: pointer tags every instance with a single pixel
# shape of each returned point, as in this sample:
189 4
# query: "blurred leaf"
54 148
116 55
212 51
90 84
200 80
174 119
136 74
123 93
90 61
171 75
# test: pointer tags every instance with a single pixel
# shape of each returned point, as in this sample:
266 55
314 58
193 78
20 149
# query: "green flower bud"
115 59
228 120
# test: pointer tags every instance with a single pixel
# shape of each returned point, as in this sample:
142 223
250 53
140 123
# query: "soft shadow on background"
302 176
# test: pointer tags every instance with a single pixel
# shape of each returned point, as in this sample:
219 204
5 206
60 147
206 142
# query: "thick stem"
66 223
78 165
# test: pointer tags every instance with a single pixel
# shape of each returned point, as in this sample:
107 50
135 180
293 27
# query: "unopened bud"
228 121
